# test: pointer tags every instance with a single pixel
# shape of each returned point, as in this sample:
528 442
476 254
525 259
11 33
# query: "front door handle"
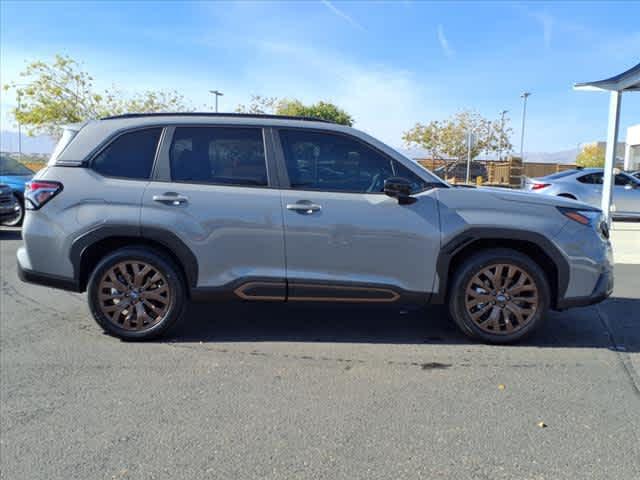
304 206
171 198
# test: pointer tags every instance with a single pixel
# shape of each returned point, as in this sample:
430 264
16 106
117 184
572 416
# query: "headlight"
587 216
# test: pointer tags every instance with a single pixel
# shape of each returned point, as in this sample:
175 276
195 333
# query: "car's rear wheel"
498 296
136 294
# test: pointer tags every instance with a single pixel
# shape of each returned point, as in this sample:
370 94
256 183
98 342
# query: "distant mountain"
563 156
38 144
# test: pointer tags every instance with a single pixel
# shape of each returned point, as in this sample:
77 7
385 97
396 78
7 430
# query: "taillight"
538 186
39 192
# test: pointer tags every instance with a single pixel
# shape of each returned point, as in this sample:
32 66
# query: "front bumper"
602 290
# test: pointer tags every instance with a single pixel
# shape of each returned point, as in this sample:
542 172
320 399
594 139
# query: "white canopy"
628 81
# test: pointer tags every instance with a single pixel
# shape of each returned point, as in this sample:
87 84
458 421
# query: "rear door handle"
171 198
304 206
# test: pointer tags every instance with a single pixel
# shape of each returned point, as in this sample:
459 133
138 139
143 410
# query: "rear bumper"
602 290
45 279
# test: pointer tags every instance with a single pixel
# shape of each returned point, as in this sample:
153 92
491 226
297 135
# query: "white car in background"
585 185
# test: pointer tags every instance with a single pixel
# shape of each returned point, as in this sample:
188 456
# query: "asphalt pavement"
251 391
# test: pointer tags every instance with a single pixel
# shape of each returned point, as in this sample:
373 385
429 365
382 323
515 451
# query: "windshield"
10 166
633 179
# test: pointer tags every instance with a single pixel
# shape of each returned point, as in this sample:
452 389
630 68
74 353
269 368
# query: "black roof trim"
210 114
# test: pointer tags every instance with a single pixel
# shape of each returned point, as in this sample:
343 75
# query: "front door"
212 191
626 195
345 240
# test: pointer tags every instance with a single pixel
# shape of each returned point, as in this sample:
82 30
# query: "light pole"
524 97
20 126
471 140
502 114
19 143
217 94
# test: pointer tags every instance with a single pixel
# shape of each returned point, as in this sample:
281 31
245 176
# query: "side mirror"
400 189
629 186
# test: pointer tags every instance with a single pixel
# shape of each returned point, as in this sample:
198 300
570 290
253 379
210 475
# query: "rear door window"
130 155
218 156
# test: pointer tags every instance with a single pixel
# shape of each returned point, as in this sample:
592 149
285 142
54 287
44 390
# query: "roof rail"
210 114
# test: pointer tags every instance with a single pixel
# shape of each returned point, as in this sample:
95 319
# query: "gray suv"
147 212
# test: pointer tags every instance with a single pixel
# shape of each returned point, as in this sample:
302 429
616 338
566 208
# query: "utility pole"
502 114
524 96
217 94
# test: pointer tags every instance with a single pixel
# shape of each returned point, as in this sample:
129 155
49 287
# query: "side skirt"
279 290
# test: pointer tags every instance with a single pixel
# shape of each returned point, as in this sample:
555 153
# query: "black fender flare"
161 236
473 234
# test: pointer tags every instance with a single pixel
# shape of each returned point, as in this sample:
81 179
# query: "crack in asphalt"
350 362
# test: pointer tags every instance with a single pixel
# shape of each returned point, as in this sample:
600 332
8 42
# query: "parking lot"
268 391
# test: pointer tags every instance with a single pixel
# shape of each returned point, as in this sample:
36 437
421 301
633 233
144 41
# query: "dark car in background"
9 207
15 175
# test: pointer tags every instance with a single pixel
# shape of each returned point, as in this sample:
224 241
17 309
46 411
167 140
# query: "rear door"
213 190
345 239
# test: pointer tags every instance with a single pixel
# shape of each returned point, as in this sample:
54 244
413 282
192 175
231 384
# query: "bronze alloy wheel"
501 299
134 295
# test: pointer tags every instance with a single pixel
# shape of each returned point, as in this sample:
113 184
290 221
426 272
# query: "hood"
523 196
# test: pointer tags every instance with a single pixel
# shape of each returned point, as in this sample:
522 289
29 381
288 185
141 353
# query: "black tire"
171 277
473 266
16 222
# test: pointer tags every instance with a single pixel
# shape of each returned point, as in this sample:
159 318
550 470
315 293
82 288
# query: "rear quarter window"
130 155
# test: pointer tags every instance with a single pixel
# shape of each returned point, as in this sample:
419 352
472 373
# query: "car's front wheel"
498 296
136 294
17 221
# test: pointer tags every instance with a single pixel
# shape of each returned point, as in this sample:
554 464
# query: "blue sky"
390 64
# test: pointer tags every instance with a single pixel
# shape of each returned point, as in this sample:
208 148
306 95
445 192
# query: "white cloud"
544 19
444 43
341 14
384 101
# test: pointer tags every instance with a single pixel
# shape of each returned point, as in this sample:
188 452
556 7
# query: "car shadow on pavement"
614 324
